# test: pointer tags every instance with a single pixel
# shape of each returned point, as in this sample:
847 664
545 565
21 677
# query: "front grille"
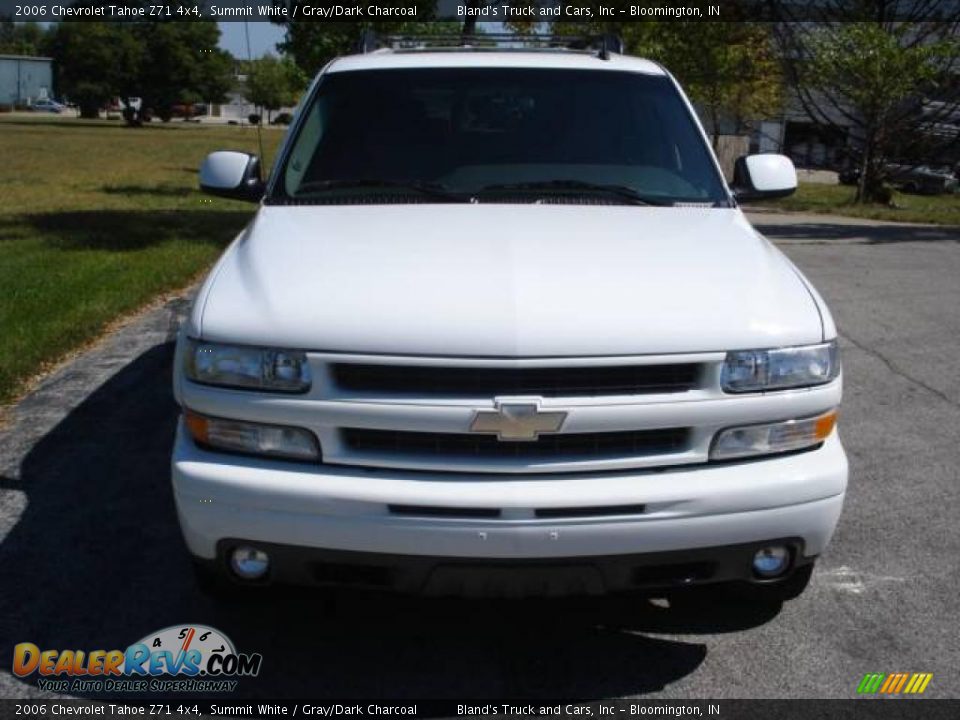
429 381
634 443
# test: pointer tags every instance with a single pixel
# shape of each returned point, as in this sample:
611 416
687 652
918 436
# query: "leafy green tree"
183 65
215 76
877 79
313 44
161 62
881 73
95 61
730 70
274 83
22 38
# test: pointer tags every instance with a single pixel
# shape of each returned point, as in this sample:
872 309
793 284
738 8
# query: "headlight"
292 443
779 369
254 368
770 438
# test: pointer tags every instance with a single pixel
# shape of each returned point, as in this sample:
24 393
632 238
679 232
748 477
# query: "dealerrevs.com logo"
180 658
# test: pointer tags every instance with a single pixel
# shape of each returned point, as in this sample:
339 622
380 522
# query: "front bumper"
222 499
475 577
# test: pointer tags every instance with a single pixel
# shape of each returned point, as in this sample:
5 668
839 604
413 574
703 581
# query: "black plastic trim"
444 575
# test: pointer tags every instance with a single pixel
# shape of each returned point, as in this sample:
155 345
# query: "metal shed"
25 79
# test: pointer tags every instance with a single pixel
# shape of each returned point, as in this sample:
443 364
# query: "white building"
24 80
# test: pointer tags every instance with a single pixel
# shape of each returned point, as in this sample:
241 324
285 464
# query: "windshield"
498 135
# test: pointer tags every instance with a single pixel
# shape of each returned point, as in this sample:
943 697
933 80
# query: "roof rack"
602 45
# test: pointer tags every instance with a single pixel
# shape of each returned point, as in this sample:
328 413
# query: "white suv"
500 327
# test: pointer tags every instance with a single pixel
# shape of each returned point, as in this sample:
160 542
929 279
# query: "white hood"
505 280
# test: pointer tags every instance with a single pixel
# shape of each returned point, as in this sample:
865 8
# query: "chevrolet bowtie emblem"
522 421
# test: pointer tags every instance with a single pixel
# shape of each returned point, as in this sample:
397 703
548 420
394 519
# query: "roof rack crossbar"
603 45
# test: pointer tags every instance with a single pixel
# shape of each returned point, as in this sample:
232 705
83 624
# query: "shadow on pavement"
867 234
96 562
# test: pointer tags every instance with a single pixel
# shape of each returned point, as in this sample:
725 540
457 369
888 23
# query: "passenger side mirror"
763 177
233 175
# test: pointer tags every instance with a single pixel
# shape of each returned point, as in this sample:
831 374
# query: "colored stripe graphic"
923 682
894 683
870 683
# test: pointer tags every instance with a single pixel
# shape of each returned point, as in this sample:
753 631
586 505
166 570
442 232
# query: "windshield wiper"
623 192
424 188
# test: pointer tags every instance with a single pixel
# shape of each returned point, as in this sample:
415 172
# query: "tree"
161 62
313 44
183 65
878 80
23 38
891 82
273 84
95 61
730 70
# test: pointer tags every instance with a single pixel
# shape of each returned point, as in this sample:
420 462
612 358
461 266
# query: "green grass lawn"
838 200
97 219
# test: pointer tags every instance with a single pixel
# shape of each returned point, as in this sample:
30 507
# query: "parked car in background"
48 105
915 179
924 180
183 110
283 118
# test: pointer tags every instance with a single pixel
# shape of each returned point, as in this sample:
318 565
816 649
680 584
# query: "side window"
307 143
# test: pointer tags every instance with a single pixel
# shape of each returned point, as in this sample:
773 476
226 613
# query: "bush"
254 119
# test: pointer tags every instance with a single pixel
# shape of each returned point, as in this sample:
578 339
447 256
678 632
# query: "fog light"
249 563
771 561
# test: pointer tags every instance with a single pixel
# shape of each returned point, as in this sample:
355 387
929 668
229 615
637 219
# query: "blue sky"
263 38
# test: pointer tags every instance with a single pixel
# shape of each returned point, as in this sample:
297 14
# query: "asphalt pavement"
91 557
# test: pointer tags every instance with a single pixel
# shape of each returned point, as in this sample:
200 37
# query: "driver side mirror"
763 177
233 175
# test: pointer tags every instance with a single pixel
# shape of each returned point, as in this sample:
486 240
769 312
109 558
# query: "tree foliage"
274 83
95 62
730 70
888 81
27 38
182 64
163 63
313 44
